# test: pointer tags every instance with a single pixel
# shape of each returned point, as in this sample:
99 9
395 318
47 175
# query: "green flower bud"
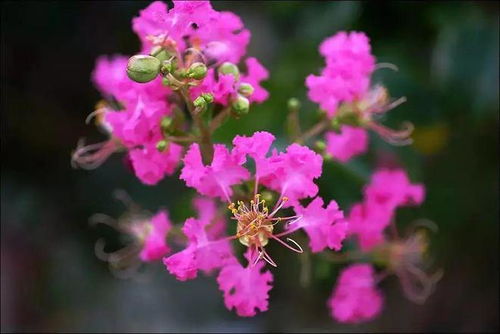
160 53
241 105
167 66
162 145
165 123
293 103
320 145
335 124
229 68
267 196
197 71
141 68
208 97
245 89
200 103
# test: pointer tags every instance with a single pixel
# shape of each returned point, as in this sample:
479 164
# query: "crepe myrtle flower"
387 190
352 103
356 297
145 234
290 174
131 116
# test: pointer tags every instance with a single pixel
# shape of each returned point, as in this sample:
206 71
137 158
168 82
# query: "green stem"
205 141
315 130
219 119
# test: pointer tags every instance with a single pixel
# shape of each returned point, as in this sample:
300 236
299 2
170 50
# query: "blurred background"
447 54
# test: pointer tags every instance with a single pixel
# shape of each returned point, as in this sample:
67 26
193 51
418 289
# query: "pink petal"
356 298
324 226
350 142
245 289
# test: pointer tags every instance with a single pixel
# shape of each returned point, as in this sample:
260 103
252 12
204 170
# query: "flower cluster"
356 298
162 106
343 92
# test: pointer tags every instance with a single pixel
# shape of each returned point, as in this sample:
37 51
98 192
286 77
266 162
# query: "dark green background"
447 54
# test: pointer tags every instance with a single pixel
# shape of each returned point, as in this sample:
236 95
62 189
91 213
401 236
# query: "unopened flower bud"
142 68
208 97
229 68
161 145
197 71
335 125
293 103
167 66
200 103
241 105
320 145
267 196
245 89
160 53
165 123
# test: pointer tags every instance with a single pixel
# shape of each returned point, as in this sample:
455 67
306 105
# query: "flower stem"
205 139
315 130
219 119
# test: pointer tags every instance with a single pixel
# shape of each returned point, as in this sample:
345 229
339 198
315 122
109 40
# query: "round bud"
200 103
167 66
229 68
197 71
141 68
160 53
161 145
293 103
335 124
209 98
165 123
320 145
268 196
241 105
245 89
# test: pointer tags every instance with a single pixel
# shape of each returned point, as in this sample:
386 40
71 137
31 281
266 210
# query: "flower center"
254 223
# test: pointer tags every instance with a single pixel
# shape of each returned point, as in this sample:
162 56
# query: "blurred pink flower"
350 142
355 298
155 243
349 65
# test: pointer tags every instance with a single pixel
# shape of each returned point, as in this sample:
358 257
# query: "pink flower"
109 75
255 74
324 226
355 298
392 188
220 35
388 190
291 173
214 180
349 65
350 142
205 250
367 221
150 165
245 289
155 246
110 78
256 147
